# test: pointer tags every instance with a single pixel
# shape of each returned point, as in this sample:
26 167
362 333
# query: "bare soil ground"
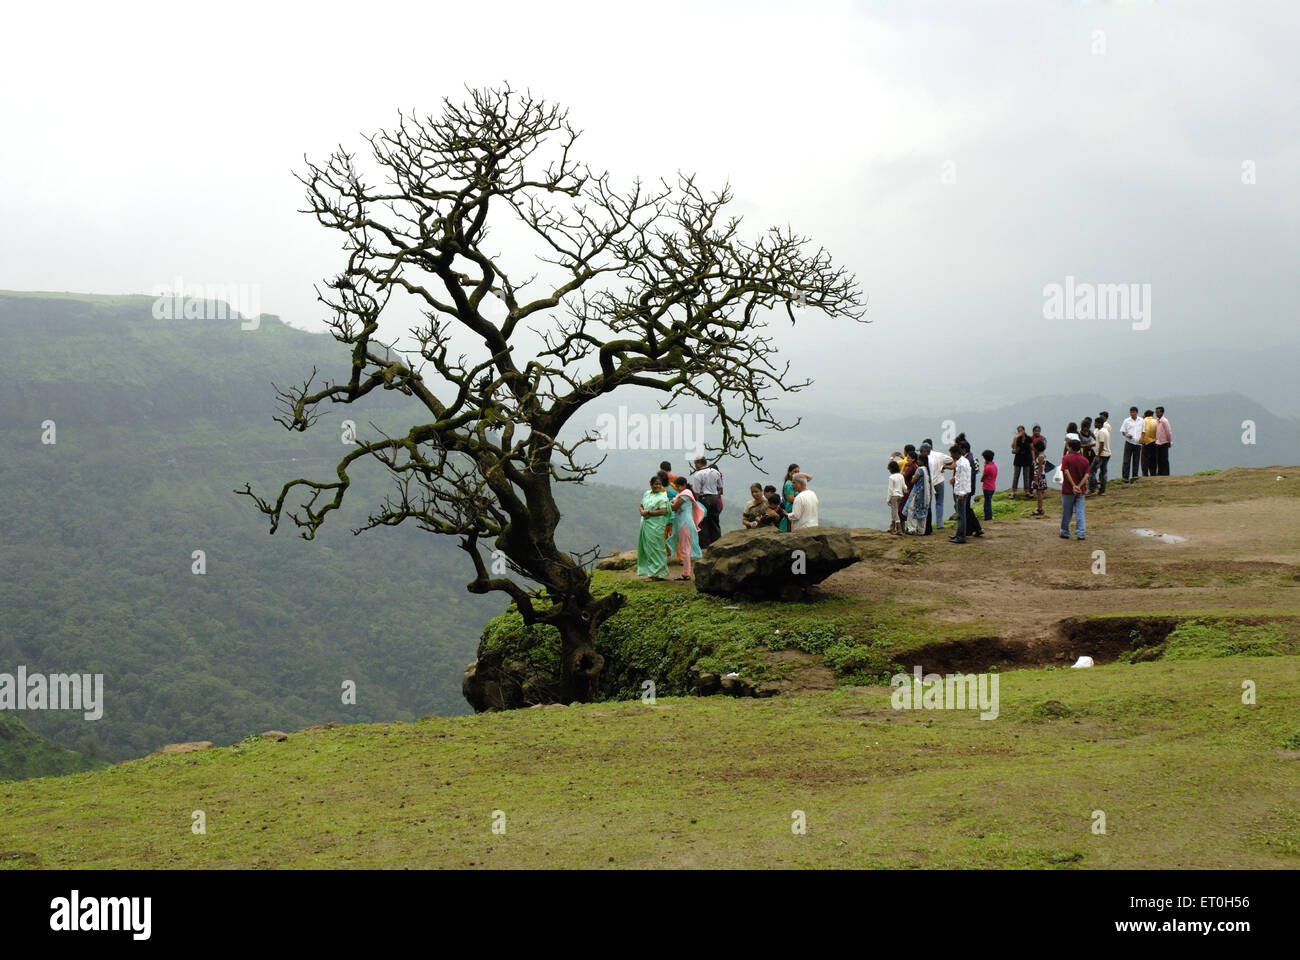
1240 556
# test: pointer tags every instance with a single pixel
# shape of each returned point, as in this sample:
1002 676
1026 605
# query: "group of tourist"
917 483
917 488
681 514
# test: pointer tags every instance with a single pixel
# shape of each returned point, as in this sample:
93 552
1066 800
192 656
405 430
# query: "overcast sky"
1103 141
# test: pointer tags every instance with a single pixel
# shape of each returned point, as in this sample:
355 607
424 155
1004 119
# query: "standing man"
1164 440
804 513
938 462
1101 462
706 481
1022 460
973 526
1074 486
1149 444
1131 431
961 484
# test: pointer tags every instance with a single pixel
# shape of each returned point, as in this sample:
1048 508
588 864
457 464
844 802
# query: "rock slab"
766 564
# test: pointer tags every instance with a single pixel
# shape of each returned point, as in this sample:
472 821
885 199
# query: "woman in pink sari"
687 514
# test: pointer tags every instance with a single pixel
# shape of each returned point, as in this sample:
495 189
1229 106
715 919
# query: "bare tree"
650 287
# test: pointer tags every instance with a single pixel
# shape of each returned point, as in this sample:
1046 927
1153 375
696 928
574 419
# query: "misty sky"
145 142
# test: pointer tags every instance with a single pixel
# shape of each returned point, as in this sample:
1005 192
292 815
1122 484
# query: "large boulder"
768 564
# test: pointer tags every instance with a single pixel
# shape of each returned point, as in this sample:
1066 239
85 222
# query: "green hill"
23 754
157 423
1184 774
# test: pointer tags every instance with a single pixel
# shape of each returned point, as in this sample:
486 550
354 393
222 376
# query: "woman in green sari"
651 557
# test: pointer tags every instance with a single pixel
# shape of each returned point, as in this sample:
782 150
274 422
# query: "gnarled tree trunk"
580 663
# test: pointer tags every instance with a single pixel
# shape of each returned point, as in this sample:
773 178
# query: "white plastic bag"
1058 478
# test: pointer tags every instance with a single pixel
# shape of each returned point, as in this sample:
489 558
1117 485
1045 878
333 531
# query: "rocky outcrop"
518 666
767 564
617 560
191 747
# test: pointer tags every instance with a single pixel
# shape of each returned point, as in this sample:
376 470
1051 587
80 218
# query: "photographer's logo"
57 691
105 914
213 301
658 431
1098 301
956 691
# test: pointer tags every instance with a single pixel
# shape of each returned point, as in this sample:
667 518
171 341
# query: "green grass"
659 636
1202 639
1186 776
1004 507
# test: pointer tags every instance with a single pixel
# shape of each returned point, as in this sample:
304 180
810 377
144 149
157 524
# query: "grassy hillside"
1185 774
1158 737
23 754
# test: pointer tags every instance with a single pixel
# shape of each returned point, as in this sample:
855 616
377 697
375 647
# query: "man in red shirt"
1074 486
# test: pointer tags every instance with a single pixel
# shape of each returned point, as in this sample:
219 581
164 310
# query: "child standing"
894 497
1040 473
990 475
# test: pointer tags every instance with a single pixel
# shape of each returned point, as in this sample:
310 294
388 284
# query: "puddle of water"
1162 537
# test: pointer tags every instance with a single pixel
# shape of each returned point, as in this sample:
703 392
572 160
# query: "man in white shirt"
706 484
1131 429
938 462
804 513
1101 456
961 483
